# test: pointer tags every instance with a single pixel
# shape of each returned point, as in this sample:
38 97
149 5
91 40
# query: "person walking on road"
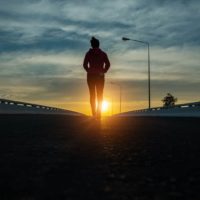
96 64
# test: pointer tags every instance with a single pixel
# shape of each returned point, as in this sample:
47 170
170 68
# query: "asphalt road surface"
59 157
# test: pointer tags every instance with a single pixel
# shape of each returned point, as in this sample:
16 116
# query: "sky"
43 44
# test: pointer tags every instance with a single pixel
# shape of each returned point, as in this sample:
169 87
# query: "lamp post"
149 78
120 95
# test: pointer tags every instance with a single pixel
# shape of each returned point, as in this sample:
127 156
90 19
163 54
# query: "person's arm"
107 64
86 62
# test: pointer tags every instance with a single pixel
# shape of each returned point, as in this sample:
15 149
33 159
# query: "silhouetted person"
96 64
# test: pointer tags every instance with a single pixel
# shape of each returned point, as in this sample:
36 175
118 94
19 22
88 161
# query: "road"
61 157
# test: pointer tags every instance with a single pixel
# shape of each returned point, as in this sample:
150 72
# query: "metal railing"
9 107
187 109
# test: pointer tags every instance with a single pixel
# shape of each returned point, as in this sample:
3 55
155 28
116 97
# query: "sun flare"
105 106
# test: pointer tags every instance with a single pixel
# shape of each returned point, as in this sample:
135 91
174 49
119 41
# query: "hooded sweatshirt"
96 61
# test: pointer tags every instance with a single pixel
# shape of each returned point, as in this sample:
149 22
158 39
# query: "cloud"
54 24
43 42
42 77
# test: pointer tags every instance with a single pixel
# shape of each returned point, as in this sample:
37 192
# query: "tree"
169 100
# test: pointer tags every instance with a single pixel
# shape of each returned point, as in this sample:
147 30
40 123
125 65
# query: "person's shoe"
98 116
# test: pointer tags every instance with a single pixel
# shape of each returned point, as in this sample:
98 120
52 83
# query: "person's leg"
91 86
99 88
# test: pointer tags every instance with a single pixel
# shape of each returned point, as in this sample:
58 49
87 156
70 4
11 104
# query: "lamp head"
125 39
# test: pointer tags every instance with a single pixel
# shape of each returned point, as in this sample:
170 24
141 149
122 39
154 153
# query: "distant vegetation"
169 100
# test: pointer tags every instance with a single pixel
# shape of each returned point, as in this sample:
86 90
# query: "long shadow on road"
62 157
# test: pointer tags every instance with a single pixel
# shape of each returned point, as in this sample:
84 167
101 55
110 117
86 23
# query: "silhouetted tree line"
169 100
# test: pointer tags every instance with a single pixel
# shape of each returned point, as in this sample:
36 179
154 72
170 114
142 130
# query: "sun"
105 105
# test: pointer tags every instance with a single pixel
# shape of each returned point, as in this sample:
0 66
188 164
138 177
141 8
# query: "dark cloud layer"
163 23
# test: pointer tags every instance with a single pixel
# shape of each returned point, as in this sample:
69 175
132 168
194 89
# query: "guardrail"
16 107
181 110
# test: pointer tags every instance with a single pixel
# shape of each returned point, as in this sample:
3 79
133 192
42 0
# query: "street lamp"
149 83
120 95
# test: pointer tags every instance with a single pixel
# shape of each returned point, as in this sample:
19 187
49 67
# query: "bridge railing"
187 109
186 105
9 106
